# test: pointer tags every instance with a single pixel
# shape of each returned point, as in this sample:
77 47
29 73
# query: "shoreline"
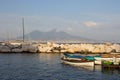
50 47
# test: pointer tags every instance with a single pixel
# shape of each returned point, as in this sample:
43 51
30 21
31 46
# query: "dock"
110 65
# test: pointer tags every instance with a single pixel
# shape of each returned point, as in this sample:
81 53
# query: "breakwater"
49 47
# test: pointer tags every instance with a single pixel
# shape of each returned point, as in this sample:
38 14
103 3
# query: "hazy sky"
94 19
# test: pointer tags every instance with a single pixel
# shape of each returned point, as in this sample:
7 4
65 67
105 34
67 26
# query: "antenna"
23 29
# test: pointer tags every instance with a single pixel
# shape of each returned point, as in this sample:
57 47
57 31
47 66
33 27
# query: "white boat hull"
98 62
79 64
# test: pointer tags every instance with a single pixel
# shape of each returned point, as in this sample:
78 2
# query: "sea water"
44 66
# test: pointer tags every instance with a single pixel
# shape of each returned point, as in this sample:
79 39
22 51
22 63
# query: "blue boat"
80 56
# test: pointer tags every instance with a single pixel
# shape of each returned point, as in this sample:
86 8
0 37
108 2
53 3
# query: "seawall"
19 47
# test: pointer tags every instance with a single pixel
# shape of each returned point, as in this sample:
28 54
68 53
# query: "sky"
93 19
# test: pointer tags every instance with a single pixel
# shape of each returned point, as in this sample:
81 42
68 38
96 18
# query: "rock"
53 47
5 49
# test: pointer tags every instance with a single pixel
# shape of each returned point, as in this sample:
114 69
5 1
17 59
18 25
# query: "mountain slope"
52 35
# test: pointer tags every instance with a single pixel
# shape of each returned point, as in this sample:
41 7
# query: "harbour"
59 40
48 67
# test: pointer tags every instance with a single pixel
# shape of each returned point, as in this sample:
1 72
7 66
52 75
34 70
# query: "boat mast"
23 29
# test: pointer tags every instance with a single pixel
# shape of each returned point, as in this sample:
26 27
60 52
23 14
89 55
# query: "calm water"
48 67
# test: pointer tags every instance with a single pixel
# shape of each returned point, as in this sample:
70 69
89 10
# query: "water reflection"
111 71
79 67
97 68
48 56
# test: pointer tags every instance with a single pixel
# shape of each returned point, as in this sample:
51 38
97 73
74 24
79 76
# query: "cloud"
69 29
91 24
81 27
